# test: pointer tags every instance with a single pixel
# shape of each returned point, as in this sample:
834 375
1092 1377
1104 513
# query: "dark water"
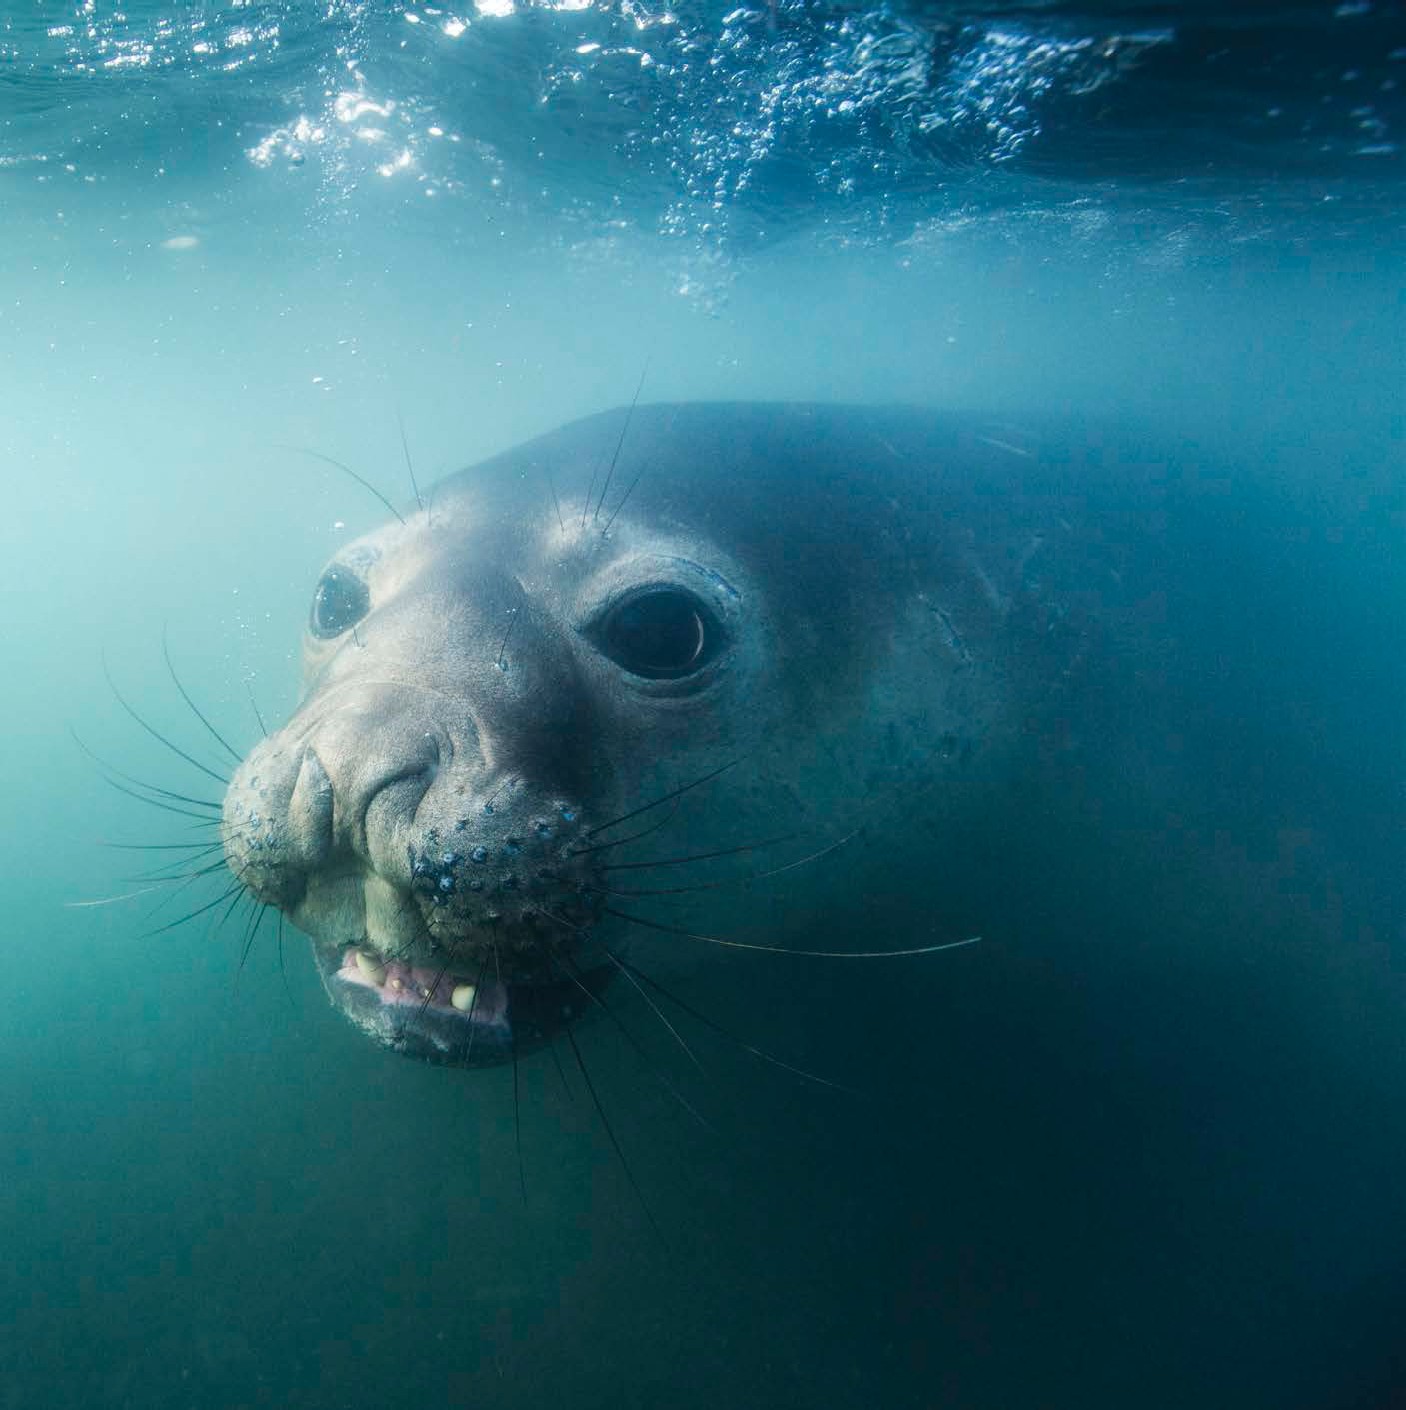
1142 1146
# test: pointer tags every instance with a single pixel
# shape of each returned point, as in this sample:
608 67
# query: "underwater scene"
705 705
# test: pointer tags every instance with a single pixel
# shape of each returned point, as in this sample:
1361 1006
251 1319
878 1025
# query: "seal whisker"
614 1139
619 445
160 846
260 911
200 851
670 899
204 820
156 733
164 874
737 880
110 900
655 1009
254 705
787 950
624 499
573 973
443 970
188 882
282 970
185 695
503 645
517 1101
561 523
498 792
160 803
409 466
638 974
556 1062
139 783
199 911
591 487
663 798
700 856
473 1005
346 470
631 837
171 896
242 892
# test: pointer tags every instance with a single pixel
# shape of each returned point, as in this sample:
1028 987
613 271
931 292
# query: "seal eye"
340 602
659 634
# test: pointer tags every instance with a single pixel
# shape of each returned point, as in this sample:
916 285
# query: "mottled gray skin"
895 602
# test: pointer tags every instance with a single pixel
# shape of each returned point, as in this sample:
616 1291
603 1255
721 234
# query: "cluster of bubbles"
719 122
695 109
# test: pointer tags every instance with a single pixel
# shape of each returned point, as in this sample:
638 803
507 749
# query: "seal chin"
450 1018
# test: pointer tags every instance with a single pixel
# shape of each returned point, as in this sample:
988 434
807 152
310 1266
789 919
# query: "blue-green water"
1140 1147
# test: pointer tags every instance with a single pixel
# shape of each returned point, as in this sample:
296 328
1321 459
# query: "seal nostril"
431 764
310 811
403 789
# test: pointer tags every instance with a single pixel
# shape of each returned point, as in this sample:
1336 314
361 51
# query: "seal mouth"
449 1017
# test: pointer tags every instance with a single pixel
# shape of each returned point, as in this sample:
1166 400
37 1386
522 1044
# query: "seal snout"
504 875
409 850
276 823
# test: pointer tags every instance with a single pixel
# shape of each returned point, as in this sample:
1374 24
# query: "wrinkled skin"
846 614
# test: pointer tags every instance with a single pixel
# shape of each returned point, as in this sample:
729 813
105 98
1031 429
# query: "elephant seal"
593 677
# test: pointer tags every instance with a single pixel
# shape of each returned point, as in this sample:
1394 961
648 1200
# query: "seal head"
611 652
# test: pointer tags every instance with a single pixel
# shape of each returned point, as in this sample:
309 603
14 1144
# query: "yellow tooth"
371 967
463 997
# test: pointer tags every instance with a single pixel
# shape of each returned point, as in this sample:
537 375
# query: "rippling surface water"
749 122
1132 1150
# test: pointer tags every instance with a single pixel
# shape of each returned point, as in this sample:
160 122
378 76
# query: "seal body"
689 677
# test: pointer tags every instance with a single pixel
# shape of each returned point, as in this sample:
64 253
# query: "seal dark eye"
660 634
340 602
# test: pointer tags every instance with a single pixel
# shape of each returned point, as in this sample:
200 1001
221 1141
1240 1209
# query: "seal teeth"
371 967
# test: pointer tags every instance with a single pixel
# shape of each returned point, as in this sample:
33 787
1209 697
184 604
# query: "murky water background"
1134 1152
